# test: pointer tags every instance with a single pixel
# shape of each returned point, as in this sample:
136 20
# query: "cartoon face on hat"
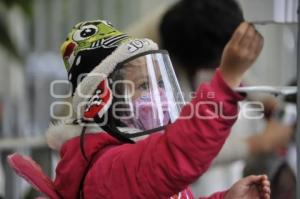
87 45
91 52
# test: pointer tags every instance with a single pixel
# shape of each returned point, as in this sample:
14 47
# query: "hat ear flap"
99 103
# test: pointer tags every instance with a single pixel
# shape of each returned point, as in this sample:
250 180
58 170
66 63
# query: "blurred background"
31 32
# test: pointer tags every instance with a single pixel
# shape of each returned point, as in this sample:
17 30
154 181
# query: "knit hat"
91 52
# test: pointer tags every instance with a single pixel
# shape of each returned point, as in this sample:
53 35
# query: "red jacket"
159 166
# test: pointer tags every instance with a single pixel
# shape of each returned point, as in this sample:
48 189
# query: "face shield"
146 92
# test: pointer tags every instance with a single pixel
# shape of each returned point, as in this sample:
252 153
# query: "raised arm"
164 164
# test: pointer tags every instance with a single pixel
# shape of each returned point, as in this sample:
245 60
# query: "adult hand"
275 136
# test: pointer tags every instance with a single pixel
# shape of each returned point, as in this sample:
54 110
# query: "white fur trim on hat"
87 87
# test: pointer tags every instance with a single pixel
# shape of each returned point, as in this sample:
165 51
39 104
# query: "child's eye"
143 86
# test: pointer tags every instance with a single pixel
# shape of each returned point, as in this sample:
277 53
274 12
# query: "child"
127 87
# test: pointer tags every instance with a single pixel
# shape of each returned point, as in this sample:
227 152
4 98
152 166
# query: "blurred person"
122 158
280 164
195 33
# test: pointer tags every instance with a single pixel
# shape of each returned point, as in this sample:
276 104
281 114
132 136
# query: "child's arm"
240 53
165 164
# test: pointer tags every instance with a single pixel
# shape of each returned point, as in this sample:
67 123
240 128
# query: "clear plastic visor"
146 91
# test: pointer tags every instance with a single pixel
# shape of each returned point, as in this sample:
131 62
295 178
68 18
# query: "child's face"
136 71
145 94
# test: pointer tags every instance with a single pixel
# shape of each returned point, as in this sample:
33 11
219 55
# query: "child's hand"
240 53
251 187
